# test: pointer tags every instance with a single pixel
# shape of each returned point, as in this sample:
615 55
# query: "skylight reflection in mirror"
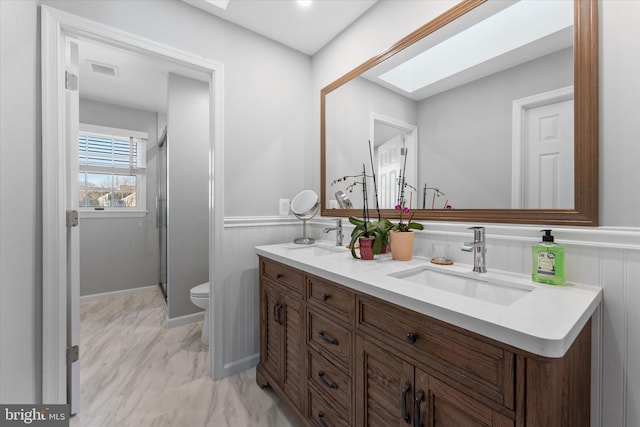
526 22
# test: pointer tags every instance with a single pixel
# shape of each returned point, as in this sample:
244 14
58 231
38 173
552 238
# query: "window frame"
141 177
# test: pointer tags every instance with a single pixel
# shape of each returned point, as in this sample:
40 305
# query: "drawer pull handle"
417 422
324 338
322 421
279 275
325 382
403 403
325 297
411 338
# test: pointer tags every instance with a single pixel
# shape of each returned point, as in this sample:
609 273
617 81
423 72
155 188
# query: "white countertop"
545 321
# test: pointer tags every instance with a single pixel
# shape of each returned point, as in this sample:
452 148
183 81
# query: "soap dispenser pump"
548 261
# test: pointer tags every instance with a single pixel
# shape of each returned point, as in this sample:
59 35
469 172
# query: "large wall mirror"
488 113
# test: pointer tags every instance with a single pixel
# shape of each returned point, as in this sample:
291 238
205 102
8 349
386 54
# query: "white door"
548 173
72 119
389 167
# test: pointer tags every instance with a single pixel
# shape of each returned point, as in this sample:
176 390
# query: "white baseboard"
123 292
242 365
185 320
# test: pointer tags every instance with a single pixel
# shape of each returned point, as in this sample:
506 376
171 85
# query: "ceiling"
306 29
141 80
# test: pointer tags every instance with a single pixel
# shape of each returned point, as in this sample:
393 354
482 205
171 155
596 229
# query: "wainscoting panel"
604 257
240 287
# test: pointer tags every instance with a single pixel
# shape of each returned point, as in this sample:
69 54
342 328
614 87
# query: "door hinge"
73 354
70 81
72 218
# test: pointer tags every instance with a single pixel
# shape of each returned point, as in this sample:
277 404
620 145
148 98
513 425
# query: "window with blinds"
111 170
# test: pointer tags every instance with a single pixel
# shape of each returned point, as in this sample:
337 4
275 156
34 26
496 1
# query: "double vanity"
381 343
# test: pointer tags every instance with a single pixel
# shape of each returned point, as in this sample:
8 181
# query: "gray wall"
188 191
20 205
121 253
619 86
468 130
254 120
348 120
267 127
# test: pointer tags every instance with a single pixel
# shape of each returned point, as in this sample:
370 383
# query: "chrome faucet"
338 230
478 249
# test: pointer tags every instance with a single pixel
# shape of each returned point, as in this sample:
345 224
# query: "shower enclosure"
161 211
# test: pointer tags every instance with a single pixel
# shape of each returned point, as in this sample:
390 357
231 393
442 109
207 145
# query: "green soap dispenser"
548 261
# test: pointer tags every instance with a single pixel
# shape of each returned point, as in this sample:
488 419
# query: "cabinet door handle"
325 297
280 307
322 421
324 338
411 337
275 312
417 422
403 403
325 382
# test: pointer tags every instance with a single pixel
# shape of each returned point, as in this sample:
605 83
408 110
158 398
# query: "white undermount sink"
317 249
472 285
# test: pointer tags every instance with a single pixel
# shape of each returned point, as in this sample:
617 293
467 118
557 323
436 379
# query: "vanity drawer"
322 414
329 339
483 367
330 296
329 379
282 274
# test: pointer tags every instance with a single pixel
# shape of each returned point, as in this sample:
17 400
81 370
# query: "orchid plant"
409 225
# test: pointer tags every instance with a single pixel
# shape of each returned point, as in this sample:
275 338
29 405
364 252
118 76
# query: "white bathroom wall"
449 154
187 191
20 205
267 89
607 256
348 130
267 131
121 253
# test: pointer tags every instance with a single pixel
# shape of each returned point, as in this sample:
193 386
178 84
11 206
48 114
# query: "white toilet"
200 298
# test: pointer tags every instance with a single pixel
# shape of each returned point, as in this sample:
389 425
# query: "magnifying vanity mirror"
304 206
488 113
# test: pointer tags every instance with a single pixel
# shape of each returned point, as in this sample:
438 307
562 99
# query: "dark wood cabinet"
344 358
282 336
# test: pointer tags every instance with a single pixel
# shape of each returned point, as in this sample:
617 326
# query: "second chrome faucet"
477 247
338 230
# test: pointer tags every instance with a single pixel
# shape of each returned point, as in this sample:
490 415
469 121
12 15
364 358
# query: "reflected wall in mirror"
496 118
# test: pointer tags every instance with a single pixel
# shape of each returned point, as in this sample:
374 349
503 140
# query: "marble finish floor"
135 372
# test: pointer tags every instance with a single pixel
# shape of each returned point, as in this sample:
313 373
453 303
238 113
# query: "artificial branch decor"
436 193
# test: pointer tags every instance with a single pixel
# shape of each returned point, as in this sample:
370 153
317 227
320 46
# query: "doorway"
60 102
542 151
395 151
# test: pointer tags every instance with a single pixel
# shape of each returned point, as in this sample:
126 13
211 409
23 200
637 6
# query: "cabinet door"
384 387
437 404
292 350
271 330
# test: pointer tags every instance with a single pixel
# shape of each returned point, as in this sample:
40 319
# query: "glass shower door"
161 213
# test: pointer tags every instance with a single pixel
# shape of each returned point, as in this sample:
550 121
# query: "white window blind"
111 169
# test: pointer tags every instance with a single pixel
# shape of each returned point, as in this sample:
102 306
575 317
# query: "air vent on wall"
106 69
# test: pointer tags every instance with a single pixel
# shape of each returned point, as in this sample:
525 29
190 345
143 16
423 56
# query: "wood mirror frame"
585 211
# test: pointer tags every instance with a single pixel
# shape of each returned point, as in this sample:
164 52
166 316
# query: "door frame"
518 136
56 25
411 144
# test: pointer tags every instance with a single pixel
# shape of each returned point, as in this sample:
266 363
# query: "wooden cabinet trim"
465 358
331 339
520 389
337 300
282 274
